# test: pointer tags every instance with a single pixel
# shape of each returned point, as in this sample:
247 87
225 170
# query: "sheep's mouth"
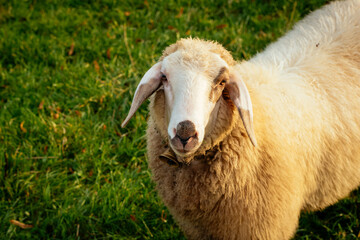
184 145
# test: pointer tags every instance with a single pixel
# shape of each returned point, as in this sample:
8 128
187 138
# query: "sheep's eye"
222 83
163 78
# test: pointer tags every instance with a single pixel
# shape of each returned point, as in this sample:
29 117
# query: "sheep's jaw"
169 157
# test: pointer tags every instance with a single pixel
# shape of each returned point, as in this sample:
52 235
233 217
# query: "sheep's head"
194 75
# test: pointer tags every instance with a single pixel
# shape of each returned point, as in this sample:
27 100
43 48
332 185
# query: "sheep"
239 149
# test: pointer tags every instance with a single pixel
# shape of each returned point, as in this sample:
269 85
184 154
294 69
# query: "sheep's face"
193 79
191 89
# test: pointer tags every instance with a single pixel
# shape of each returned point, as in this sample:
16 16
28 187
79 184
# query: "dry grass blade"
71 50
77 230
49 157
127 47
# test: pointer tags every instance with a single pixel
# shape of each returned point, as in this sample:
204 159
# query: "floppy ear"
147 86
241 98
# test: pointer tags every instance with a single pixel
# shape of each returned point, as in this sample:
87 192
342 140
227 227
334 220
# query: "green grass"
68 70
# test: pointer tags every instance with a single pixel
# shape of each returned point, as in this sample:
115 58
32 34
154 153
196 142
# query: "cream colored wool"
305 92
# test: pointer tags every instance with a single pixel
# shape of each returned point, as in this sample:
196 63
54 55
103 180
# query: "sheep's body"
305 91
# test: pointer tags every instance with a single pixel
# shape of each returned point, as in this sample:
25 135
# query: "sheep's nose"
186 137
185 130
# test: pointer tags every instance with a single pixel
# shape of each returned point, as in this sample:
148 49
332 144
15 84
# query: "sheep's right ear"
240 96
147 86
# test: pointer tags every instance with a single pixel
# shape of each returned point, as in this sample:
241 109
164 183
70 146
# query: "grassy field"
68 70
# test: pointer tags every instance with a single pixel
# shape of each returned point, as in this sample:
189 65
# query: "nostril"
184 141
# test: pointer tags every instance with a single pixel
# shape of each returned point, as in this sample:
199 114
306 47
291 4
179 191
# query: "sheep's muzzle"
186 138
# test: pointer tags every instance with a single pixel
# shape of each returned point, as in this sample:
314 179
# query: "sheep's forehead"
206 64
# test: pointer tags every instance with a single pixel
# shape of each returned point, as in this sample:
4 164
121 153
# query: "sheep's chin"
183 153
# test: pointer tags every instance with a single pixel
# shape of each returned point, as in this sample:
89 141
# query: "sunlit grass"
68 70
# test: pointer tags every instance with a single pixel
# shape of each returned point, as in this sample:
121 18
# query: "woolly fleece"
305 91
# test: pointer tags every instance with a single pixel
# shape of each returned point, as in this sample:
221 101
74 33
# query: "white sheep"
300 98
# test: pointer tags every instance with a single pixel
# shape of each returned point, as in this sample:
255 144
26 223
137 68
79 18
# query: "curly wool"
305 91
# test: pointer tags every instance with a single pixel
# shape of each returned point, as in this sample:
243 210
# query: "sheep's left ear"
147 86
240 96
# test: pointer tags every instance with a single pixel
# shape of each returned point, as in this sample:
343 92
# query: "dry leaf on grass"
78 113
221 26
41 105
109 36
20 224
180 13
108 53
46 149
22 127
96 65
101 100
